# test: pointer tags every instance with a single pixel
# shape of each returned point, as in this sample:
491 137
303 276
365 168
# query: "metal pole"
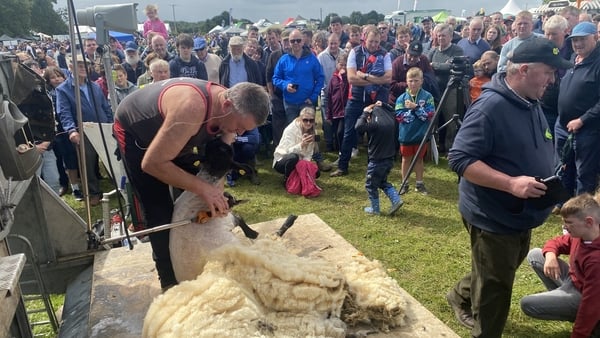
145 232
80 146
174 20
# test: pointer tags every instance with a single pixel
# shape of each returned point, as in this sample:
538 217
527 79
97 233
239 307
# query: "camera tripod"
457 83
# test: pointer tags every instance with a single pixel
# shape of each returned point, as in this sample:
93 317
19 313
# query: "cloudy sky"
279 10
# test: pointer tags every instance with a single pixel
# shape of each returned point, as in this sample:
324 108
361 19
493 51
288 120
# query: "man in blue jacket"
94 108
300 76
503 145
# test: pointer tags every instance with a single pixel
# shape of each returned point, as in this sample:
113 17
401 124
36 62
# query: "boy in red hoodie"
574 289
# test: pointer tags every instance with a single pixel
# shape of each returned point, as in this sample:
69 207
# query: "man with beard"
238 67
133 65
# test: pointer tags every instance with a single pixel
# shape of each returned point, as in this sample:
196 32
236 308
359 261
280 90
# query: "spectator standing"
496 182
211 61
159 46
370 73
402 43
336 27
328 60
133 65
524 24
493 37
123 87
238 67
185 64
412 58
473 45
95 108
414 111
579 112
337 98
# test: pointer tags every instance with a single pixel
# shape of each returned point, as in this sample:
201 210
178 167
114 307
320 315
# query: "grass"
424 246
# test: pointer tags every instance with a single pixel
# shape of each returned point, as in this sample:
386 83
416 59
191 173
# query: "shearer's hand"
214 199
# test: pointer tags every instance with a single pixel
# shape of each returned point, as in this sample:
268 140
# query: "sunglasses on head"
308 120
295 40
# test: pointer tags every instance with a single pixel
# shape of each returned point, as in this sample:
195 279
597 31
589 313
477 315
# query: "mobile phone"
317 138
295 85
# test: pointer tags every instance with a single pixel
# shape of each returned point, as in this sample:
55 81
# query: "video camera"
459 65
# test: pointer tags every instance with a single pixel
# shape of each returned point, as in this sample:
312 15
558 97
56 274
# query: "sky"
279 10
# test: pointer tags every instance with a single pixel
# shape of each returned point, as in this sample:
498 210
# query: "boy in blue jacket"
414 111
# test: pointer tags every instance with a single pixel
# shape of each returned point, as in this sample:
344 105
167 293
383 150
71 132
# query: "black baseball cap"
539 50
427 18
415 48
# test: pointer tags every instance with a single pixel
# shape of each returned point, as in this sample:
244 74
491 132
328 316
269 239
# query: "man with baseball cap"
133 65
211 61
501 150
412 58
426 32
579 111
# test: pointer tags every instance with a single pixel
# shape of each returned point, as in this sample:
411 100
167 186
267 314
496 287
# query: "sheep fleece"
253 291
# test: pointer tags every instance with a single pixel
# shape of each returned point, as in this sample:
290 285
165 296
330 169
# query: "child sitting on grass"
380 125
414 111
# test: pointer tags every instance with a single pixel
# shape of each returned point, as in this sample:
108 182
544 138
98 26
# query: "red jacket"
584 270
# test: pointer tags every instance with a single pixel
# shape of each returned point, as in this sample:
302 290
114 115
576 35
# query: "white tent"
510 8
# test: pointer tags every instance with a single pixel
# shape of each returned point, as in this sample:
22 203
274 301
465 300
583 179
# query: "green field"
424 246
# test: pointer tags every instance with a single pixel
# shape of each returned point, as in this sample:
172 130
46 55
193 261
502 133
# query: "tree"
45 19
15 17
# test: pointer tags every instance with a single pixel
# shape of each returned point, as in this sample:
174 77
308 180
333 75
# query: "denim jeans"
585 161
377 176
48 171
562 299
354 109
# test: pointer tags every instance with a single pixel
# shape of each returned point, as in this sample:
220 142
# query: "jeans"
49 171
377 175
354 109
292 111
581 170
327 128
562 299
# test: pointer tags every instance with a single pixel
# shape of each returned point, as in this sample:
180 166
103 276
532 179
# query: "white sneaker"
354 152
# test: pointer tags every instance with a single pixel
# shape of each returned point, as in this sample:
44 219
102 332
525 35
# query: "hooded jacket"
511 135
584 270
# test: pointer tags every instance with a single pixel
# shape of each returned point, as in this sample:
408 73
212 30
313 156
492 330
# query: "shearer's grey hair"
250 99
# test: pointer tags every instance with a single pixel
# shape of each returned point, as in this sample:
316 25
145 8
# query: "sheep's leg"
248 232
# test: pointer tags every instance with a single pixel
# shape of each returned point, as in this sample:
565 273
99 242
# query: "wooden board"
125 282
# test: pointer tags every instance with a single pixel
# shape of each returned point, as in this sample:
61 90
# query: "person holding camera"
442 63
298 142
500 183
300 77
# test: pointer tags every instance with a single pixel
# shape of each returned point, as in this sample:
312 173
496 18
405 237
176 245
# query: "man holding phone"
300 77
498 185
